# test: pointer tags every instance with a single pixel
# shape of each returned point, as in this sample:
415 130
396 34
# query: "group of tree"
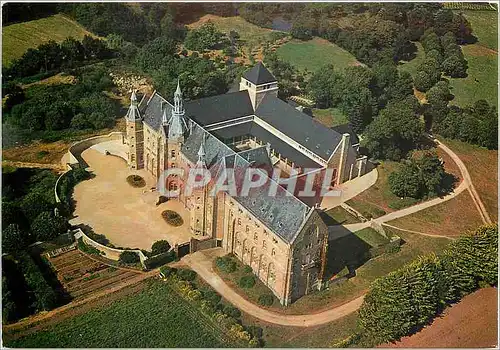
395 131
290 80
476 124
375 31
420 177
56 107
52 57
405 300
28 209
199 75
442 54
206 37
360 92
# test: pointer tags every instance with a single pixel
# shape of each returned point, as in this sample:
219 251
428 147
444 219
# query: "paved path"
350 190
466 176
201 263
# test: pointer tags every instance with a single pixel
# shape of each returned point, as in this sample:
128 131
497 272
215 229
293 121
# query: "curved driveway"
202 263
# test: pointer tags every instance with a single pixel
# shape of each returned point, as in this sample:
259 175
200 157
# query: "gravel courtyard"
127 216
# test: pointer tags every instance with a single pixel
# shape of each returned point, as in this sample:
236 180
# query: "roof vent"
317 146
307 138
280 224
271 216
254 201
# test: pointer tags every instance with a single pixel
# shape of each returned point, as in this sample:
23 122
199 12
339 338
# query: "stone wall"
108 252
75 151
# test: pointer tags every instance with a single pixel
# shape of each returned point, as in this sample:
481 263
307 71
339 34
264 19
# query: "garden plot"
81 276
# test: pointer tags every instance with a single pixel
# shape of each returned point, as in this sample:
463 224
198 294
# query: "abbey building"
282 236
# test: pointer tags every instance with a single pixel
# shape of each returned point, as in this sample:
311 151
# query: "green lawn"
155 317
484 26
340 216
483 66
19 37
372 237
329 116
411 66
314 54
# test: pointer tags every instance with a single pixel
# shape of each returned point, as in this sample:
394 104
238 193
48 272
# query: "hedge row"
160 259
46 297
407 299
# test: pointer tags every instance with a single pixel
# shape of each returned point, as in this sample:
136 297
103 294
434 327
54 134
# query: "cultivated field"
314 54
82 276
147 315
19 37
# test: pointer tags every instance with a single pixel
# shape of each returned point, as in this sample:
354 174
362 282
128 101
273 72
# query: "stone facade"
283 239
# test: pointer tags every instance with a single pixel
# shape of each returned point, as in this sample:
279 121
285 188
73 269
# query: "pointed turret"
201 156
164 118
177 124
133 111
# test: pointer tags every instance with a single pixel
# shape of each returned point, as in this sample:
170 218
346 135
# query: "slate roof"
280 146
346 129
282 213
153 113
259 74
210 110
299 126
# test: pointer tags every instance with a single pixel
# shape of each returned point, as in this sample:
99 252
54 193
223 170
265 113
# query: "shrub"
226 264
231 311
46 226
129 257
247 269
160 259
266 299
246 282
159 247
172 218
136 181
210 295
88 248
186 274
167 271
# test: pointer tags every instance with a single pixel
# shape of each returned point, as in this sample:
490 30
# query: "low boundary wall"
75 151
110 253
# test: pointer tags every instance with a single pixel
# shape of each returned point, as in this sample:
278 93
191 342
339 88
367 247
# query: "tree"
395 131
13 239
406 181
46 226
159 247
129 257
33 204
205 38
428 74
437 103
455 66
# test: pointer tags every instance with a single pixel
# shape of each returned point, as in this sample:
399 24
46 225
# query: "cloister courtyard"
127 216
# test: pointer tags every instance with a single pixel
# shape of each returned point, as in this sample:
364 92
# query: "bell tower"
135 135
259 82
